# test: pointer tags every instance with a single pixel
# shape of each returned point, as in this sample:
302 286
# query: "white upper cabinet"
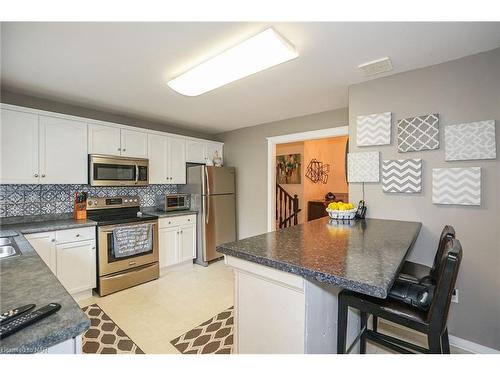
134 143
110 140
42 149
212 149
176 160
167 159
19 147
63 151
158 159
104 140
195 151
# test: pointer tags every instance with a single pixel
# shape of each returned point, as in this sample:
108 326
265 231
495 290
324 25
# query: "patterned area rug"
215 336
104 336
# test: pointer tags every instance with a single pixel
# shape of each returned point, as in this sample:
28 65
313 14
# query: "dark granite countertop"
26 279
41 223
364 256
155 211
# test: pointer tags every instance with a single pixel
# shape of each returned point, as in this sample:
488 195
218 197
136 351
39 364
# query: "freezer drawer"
219 223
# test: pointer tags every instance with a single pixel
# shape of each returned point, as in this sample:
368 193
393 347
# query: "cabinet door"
195 151
177 160
44 245
19 147
134 144
76 265
104 140
158 159
63 151
169 245
187 246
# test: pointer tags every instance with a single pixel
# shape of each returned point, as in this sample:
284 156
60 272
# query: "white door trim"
271 165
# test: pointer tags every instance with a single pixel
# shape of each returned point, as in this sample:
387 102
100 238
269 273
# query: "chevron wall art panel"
418 133
402 176
456 186
472 141
374 130
363 166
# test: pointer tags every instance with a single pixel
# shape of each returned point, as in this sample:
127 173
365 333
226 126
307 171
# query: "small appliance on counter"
172 202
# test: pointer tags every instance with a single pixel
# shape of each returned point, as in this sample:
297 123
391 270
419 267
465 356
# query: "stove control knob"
125 200
91 203
135 200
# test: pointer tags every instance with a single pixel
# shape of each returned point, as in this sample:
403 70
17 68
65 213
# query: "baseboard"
471 346
457 342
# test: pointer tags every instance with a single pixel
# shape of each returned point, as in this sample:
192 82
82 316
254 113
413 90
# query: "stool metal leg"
445 342
374 323
342 327
362 339
434 340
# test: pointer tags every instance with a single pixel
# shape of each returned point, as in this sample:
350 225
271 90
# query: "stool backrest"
447 233
438 312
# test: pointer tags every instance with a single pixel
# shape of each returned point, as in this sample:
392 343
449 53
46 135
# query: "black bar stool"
431 323
419 273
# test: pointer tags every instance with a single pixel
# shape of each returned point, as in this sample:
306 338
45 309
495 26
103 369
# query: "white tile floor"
154 313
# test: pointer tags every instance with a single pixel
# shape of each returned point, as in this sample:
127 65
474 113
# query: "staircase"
287 208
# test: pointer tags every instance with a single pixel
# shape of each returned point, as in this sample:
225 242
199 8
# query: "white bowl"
342 215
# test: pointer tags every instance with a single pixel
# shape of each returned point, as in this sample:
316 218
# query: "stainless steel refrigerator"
212 192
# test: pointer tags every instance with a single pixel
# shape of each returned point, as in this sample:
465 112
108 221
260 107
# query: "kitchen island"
287 282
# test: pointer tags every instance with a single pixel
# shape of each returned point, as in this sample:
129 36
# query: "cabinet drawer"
173 221
76 234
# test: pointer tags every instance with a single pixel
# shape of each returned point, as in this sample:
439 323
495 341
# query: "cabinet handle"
119 149
43 175
77 235
124 149
53 240
132 263
93 247
36 174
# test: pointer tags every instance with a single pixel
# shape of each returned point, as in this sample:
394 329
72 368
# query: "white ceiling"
124 67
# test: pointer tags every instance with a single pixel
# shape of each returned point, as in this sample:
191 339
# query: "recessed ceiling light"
376 66
260 52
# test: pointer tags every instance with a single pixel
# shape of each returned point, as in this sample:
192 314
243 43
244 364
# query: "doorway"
300 151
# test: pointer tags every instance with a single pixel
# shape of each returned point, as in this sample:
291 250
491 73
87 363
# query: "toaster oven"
173 202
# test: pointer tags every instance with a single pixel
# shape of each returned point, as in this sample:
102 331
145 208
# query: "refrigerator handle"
206 180
207 210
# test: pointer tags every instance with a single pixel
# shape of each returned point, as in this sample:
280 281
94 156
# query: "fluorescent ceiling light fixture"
260 52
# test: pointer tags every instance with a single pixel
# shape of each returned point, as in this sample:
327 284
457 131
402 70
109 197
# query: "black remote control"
28 319
9 315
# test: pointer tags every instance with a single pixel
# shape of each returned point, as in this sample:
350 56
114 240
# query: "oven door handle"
136 174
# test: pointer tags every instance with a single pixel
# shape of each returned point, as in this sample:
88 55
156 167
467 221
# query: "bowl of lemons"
341 210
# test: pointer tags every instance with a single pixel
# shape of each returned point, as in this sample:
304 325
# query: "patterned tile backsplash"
23 200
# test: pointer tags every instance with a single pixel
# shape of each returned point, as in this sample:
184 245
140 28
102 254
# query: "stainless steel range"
116 271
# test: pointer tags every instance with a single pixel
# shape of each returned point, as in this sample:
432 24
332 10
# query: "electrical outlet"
454 296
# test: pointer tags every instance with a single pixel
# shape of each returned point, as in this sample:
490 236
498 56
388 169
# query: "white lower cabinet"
76 266
177 240
72 261
45 246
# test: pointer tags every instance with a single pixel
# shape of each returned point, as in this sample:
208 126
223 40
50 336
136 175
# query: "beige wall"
295 148
246 149
328 151
463 90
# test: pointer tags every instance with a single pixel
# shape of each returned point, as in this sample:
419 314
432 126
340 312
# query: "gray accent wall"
45 104
463 90
246 149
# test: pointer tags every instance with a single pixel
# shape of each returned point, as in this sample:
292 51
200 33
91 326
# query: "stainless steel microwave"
105 170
